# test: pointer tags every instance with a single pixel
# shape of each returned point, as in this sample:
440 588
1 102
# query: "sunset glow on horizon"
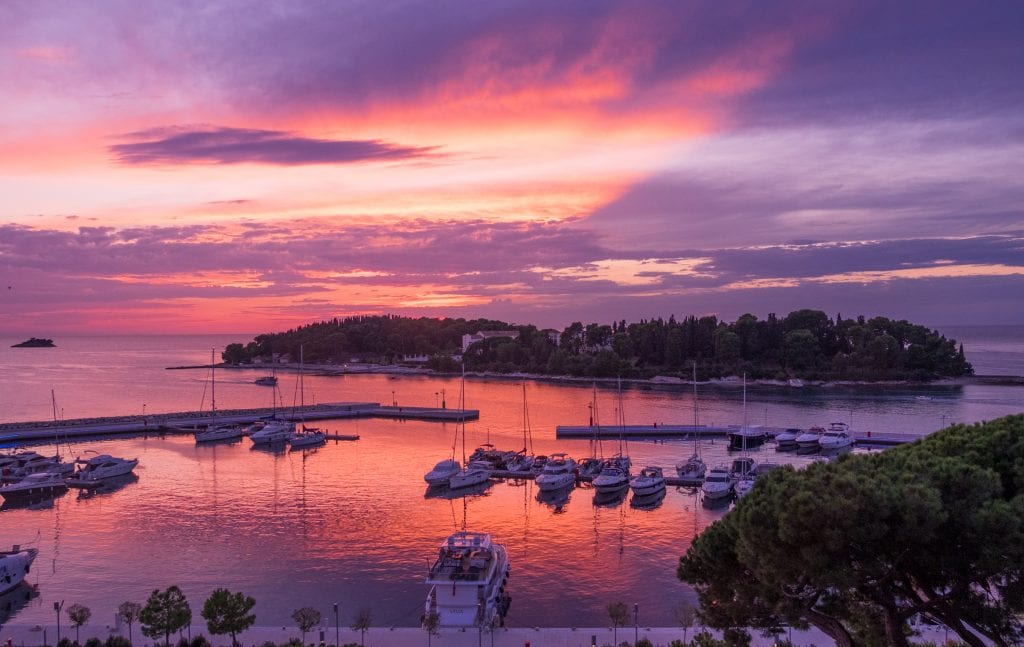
224 166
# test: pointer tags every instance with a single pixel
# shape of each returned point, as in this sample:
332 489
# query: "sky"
223 166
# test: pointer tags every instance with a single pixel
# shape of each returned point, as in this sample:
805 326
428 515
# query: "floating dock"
12 434
688 432
505 474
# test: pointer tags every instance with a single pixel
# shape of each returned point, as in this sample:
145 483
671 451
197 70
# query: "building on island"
469 340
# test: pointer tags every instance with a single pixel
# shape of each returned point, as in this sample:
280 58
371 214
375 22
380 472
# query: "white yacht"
468 582
559 472
308 437
14 566
836 437
744 485
34 485
787 439
442 472
475 473
97 468
809 439
613 476
219 432
717 483
273 432
649 481
692 471
15 467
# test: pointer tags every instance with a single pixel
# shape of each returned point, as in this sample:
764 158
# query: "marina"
688 432
355 523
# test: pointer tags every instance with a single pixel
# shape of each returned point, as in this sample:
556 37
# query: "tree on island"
361 623
128 612
618 613
228 613
859 546
305 619
78 614
165 612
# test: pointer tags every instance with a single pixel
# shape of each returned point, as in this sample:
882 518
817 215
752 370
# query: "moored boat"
39 484
649 481
14 566
837 436
559 472
787 439
808 441
717 483
468 582
94 470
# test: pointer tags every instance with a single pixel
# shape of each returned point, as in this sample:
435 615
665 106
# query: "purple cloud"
238 145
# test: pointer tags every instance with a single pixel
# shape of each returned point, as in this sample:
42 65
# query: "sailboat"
523 461
692 471
747 435
744 469
213 431
305 436
615 471
476 472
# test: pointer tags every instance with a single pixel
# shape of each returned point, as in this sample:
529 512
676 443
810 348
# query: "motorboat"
267 380
649 481
14 566
521 462
746 436
467 582
308 437
837 436
219 432
612 477
787 439
37 485
744 485
15 467
539 461
442 472
590 466
475 473
94 470
273 432
559 472
809 439
742 467
692 471
717 483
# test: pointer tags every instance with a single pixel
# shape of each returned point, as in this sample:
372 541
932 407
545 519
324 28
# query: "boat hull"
14 566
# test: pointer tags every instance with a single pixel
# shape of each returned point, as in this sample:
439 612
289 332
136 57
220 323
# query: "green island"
35 342
804 345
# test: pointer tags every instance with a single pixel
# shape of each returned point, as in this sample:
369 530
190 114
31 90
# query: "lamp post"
337 627
57 606
444 405
636 622
436 401
393 402
590 408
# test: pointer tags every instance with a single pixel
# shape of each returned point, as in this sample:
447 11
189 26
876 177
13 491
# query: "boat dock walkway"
688 432
187 422
580 478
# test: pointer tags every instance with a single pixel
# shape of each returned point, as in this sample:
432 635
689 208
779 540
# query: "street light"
337 627
57 607
436 395
444 405
636 623
393 402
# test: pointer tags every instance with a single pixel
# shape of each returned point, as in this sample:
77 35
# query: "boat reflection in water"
445 492
716 503
611 499
647 501
13 600
109 485
556 499
40 502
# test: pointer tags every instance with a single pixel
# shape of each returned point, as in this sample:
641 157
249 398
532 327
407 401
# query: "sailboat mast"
213 389
696 445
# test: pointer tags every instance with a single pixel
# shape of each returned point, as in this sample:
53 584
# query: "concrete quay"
688 432
12 434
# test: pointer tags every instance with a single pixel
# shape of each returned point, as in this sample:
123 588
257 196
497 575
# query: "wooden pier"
12 434
688 432
505 474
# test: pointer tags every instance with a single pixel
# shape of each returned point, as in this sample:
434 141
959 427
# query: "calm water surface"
351 522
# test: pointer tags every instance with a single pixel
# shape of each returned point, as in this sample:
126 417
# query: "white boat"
17 466
14 566
691 472
559 472
97 468
809 439
837 436
467 582
742 467
649 481
612 478
213 431
475 473
717 483
307 437
273 432
34 485
442 472
743 486
787 439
